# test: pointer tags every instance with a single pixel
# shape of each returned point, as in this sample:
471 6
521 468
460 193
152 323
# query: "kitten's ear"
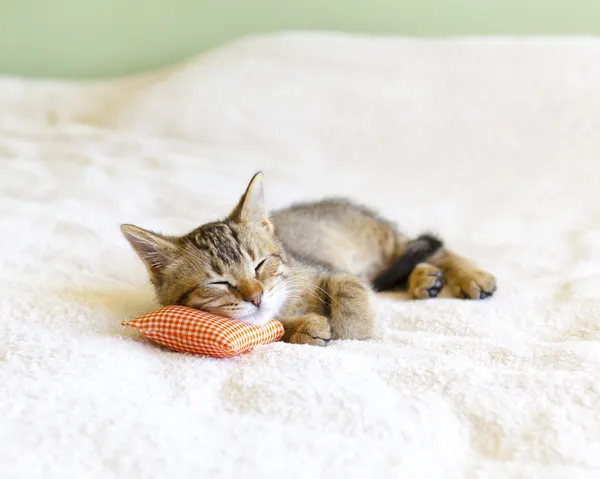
251 207
155 250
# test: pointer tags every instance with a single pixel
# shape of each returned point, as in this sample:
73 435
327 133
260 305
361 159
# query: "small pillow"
189 330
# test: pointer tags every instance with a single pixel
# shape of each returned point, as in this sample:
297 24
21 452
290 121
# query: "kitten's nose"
251 291
255 300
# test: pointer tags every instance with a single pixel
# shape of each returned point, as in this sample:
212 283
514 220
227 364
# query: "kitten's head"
235 267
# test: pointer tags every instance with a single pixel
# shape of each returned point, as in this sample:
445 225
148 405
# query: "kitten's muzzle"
251 291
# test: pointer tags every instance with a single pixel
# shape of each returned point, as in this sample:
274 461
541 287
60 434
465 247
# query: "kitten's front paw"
312 329
472 284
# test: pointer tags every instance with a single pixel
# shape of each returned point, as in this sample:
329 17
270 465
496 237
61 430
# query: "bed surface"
494 143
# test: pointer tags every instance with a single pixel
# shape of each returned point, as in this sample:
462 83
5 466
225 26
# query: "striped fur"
312 266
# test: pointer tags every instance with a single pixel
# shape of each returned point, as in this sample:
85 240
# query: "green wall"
91 38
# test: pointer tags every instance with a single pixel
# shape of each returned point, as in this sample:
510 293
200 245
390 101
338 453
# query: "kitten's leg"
349 305
463 278
311 329
425 281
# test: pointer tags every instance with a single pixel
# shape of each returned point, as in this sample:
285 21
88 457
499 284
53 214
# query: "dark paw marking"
426 282
434 290
486 294
478 294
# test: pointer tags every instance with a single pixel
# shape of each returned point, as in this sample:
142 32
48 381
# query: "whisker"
312 285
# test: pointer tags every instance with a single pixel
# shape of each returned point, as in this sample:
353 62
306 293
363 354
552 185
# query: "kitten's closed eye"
269 267
221 283
259 265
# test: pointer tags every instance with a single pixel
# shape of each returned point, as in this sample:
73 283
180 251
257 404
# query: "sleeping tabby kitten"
313 266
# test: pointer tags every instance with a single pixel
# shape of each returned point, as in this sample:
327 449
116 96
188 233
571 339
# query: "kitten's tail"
417 251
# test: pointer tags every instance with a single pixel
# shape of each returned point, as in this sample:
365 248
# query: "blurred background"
107 38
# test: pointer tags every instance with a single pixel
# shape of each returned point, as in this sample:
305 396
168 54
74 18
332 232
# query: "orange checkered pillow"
188 330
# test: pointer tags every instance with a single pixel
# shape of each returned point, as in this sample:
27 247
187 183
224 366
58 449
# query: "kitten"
312 266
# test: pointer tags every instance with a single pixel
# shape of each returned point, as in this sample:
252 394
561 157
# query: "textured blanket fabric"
494 143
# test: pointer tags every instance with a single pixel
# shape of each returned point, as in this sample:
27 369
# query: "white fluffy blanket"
494 143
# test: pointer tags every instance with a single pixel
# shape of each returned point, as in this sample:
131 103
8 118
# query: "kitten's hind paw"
425 282
472 284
